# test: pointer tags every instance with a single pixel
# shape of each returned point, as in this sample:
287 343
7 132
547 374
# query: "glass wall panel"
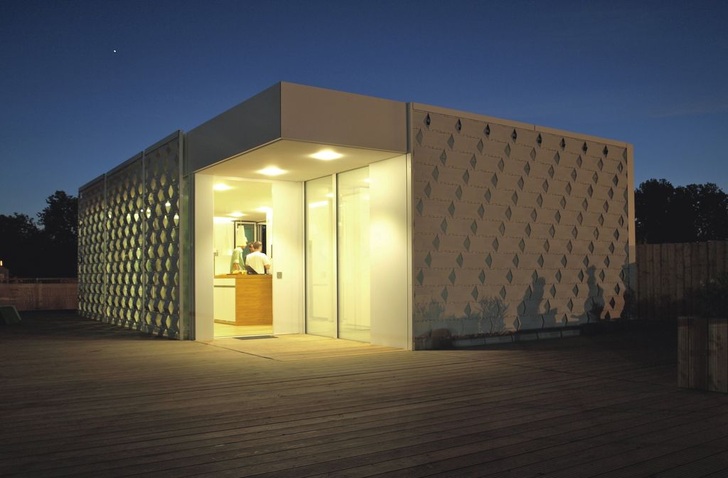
353 258
321 258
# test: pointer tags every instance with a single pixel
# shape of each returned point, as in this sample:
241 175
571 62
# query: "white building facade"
392 223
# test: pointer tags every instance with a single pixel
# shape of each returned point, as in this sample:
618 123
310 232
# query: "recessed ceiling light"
327 155
236 214
271 171
221 187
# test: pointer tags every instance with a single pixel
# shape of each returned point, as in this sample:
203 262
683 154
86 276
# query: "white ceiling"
250 190
249 198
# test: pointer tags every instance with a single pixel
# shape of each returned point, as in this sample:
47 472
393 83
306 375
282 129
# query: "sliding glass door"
353 254
338 256
321 258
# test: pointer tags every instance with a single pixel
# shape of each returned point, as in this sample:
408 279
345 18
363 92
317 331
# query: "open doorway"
242 300
360 289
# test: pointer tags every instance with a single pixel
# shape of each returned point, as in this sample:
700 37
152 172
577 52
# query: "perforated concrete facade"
516 228
129 243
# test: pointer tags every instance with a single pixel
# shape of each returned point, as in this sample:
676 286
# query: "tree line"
663 214
668 214
46 248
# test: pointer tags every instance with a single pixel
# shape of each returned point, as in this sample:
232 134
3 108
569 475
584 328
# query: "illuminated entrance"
338 231
340 247
243 303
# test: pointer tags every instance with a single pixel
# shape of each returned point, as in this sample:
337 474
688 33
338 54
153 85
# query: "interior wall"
286 247
391 280
223 244
203 255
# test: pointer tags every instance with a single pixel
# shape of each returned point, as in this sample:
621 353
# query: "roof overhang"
287 124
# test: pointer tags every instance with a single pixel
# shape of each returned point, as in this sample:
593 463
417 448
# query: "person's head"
256 246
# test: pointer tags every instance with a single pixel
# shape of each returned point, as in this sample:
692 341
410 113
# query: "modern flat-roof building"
393 223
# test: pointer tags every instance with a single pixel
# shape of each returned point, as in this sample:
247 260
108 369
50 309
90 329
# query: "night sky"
85 85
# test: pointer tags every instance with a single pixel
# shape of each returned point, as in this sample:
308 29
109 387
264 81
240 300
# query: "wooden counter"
253 299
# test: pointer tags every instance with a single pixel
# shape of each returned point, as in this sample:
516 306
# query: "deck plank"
80 398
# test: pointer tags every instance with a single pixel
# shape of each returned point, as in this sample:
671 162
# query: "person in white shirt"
257 260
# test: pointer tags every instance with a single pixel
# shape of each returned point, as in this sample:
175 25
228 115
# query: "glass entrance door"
338 256
321 258
353 254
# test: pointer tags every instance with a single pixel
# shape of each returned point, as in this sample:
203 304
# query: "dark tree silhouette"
20 245
664 213
60 218
652 201
60 235
711 211
28 250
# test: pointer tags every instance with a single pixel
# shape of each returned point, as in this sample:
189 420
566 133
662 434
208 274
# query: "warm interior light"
271 171
327 155
221 187
236 214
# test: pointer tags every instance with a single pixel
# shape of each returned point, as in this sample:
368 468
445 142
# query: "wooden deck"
83 399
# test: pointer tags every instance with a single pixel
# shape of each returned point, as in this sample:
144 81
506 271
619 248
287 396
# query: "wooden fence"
668 276
40 294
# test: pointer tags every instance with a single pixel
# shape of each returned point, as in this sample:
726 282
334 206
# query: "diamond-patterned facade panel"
129 243
530 206
92 243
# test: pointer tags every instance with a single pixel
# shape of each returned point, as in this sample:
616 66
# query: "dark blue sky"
86 85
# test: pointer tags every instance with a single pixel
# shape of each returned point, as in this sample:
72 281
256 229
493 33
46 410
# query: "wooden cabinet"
253 300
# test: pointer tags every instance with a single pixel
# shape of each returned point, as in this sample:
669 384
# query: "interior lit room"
333 183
